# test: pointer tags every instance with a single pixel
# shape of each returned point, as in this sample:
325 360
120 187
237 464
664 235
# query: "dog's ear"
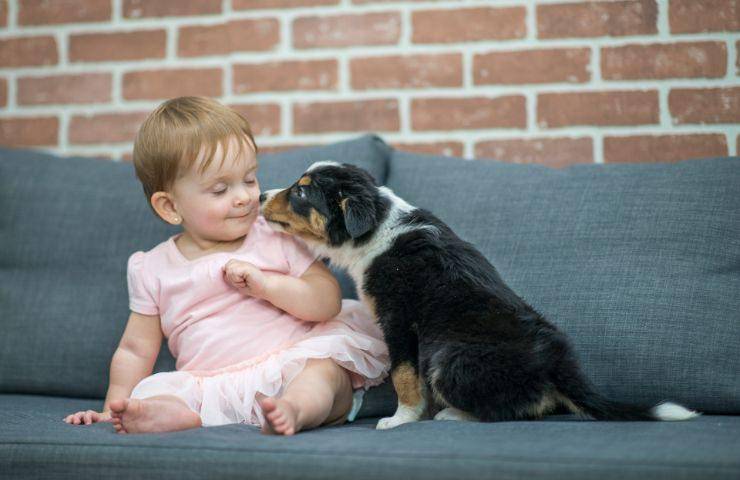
359 215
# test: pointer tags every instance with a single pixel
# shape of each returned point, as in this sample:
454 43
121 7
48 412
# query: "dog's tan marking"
567 403
277 205
433 379
318 223
547 404
304 181
343 205
406 383
278 210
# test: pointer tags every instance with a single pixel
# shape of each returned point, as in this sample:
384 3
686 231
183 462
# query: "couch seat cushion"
35 442
639 264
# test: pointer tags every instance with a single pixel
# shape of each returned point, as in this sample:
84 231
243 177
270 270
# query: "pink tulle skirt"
229 395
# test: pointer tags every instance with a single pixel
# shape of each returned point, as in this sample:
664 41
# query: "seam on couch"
527 460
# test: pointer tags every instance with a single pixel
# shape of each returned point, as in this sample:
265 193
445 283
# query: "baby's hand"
87 417
246 277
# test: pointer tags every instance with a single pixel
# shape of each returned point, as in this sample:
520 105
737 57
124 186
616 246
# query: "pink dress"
230 347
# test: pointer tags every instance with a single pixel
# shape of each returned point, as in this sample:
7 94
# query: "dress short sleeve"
140 296
297 254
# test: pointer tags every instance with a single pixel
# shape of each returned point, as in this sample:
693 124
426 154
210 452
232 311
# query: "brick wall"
526 81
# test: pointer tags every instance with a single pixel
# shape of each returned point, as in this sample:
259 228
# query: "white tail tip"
668 411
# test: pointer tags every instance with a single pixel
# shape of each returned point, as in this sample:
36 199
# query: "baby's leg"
163 413
321 394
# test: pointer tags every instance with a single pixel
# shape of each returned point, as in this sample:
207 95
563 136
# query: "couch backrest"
639 264
67 227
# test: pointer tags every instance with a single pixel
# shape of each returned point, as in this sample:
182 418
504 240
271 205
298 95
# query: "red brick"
169 8
270 149
468 113
160 84
349 116
382 28
28 51
468 25
263 118
663 148
118 46
29 131
105 127
705 105
694 16
597 108
597 19
256 4
64 89
673 60
238 36
447 149
553 152
3 92
532 66
365 2
3 13
44 12
285 76
409 71
102 154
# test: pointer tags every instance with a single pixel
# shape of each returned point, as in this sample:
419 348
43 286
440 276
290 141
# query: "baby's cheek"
210 219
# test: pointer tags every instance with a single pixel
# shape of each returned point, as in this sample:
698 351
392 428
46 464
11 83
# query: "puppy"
461 342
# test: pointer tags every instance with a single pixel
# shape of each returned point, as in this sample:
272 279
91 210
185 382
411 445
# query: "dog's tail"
579 393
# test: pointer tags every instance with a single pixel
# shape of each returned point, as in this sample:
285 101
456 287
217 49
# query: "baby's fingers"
74 419
90 417
79 418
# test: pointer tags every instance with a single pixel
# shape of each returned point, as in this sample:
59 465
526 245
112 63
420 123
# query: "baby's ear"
359 215
162 204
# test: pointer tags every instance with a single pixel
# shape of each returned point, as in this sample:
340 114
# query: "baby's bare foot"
280 415
155 414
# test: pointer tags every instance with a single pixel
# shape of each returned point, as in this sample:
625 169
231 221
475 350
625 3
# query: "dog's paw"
450 413
392 422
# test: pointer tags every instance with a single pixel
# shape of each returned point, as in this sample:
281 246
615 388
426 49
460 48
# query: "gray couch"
639 264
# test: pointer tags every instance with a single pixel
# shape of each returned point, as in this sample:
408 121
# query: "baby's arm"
314 297
133 361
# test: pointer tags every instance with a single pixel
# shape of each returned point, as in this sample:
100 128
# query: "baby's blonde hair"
172 136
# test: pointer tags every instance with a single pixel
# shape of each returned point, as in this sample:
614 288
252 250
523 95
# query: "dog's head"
330 203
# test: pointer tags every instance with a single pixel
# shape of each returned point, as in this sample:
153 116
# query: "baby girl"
256 322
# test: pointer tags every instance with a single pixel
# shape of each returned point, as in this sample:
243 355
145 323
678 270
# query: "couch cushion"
35 443
639 264
68 227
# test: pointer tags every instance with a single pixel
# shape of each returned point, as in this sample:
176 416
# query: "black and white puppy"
461 342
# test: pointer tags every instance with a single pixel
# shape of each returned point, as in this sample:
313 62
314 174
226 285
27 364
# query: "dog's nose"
262 197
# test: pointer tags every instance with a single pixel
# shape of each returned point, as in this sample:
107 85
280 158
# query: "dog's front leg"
403 347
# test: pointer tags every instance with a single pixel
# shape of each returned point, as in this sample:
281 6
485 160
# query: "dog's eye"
301 193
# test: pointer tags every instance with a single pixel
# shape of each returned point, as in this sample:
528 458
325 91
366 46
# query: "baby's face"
222 203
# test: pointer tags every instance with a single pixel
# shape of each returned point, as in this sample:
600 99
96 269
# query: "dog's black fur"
474 343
